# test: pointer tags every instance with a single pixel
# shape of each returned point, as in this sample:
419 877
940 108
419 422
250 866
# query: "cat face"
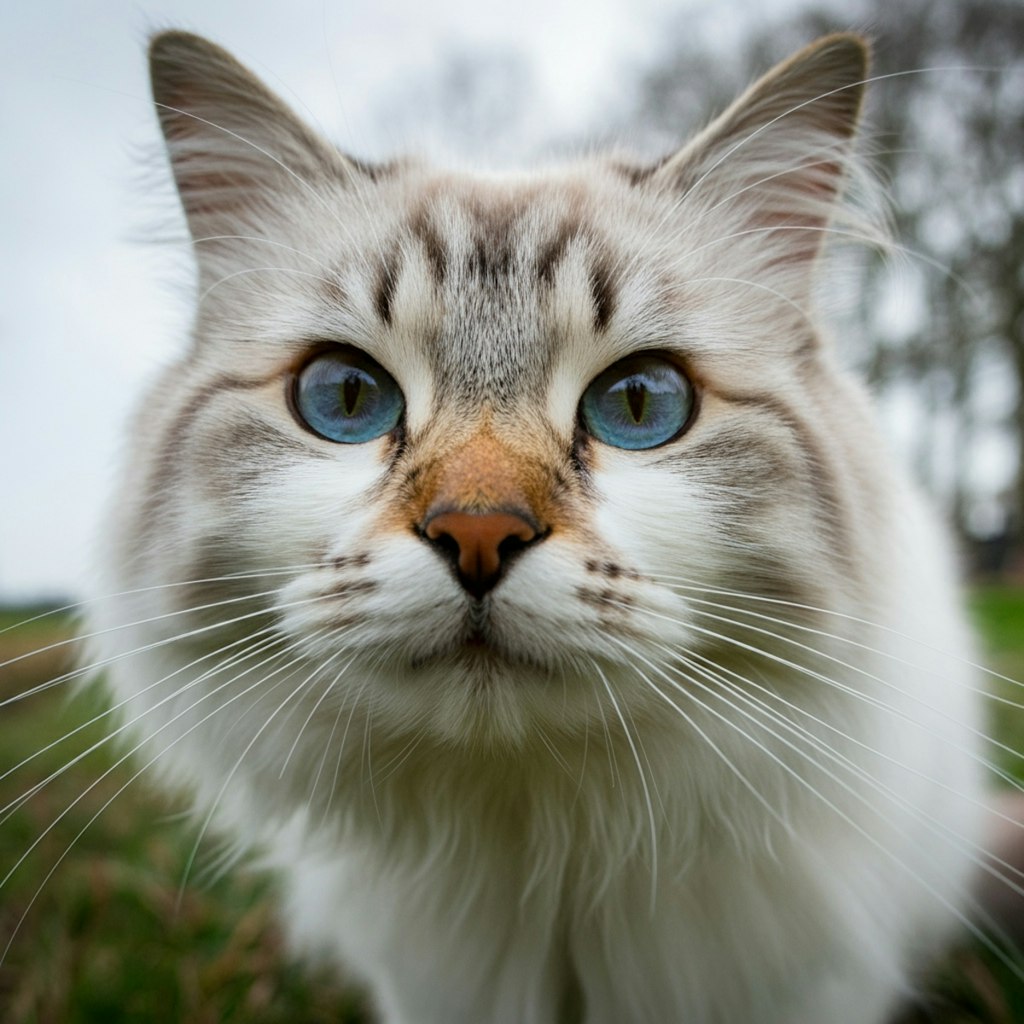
454 446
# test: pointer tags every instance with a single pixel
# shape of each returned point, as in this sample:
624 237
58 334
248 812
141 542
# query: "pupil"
350 391
636 399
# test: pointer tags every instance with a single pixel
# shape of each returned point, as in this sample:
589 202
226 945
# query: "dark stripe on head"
639 175
492 255
490 258
551 255
602 290
434 247
387 281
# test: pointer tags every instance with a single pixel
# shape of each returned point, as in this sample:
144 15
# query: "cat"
511 563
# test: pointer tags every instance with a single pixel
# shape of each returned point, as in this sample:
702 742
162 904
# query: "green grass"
112 936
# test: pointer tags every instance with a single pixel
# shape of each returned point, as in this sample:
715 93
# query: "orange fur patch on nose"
484 475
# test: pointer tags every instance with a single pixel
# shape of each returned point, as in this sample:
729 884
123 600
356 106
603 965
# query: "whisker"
120 790
137 622
113 709
691 656
717 673
850 690
978 934
979 855
327 689
209 673
341 746
853 691
801 627
692 585
643 782
402 756
103 598
153 645
292 694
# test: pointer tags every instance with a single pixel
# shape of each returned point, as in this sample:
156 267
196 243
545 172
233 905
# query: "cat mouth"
477 644
477 649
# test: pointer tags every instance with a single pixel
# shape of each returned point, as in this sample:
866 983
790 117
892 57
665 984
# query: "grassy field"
107 933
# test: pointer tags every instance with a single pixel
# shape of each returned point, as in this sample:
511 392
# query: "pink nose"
479 544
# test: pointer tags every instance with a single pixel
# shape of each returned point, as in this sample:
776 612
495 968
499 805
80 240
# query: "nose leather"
479 543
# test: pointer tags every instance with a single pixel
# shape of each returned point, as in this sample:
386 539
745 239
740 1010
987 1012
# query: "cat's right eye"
343 395
640 402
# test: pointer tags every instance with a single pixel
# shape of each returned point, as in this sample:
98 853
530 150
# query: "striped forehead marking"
499 248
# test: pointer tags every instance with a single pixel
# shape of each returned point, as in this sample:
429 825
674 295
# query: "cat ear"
232 143
773 164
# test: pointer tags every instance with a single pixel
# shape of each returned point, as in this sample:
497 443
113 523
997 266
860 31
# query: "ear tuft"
776 160
232 143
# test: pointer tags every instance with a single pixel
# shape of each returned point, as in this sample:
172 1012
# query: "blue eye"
639 402
344 396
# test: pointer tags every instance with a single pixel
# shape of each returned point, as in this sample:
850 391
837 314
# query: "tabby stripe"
434 247
602 287
551 255
387 281
376 172
825 481
166 466
602 291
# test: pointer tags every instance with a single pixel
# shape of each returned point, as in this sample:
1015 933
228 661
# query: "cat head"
460 454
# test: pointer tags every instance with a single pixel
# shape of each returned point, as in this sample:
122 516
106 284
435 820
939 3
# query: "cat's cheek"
570 598
379 595
308 511
636 502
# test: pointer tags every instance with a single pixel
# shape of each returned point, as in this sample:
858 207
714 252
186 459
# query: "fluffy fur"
697 756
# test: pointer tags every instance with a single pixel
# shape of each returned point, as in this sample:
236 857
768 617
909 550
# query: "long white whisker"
231 662
643 782
688 584
982 858
329 688
104 598
832 806
341 747
691 658
153 645
845 688
113 709
56 645
801 627
291 695
120 790
852 690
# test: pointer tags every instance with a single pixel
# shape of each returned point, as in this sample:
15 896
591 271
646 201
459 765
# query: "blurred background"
93 304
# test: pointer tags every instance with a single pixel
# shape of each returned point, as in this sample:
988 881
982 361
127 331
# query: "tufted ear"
233 145
776 159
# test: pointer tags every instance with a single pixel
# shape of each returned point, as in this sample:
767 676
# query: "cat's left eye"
345 396
640 402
